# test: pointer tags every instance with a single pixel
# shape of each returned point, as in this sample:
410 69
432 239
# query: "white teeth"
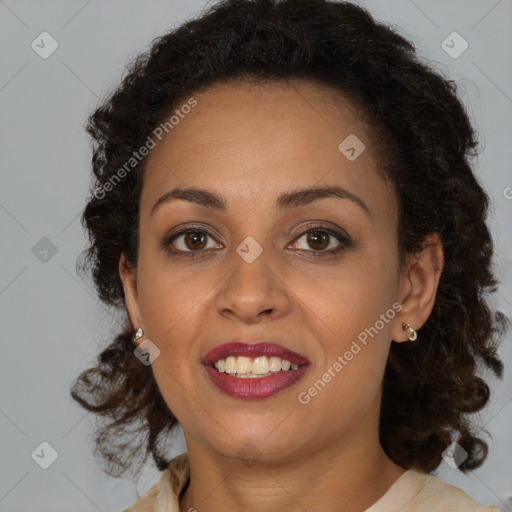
274 364
260 365
245 367
231 364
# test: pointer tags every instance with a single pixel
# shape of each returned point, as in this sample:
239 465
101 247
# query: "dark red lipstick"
254 387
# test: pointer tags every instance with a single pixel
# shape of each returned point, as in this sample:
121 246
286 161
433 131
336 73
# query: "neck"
349 475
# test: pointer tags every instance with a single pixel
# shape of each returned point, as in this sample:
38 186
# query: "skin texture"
251 143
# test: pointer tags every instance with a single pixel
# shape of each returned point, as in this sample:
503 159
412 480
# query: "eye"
195 242
190 241
323 241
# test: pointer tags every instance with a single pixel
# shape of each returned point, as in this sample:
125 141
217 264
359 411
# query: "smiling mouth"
250 371
244 367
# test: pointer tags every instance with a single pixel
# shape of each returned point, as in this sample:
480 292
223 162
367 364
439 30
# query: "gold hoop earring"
411 333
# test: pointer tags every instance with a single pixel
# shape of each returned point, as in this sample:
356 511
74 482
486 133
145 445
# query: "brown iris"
195 240
318 239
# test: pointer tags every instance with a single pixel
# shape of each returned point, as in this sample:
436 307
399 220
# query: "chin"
259 439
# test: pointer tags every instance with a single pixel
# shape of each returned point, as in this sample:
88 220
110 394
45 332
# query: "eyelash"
344 240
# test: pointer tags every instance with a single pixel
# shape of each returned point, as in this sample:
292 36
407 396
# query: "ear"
129 278
418 286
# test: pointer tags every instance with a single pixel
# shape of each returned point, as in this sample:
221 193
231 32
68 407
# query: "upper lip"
259 349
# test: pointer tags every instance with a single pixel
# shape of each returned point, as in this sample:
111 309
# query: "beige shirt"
412 492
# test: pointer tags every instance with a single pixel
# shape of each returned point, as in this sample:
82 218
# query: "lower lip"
256 387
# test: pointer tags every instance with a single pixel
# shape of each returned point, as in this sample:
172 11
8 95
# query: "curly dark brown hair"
430 387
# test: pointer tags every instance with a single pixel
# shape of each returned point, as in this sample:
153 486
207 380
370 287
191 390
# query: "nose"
253 292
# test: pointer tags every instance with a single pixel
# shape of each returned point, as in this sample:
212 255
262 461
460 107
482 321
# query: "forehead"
245 139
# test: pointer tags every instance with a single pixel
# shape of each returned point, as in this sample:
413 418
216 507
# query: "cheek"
353 345
170 301
176 306
351 314
352 297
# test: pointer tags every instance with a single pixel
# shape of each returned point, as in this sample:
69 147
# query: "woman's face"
330 296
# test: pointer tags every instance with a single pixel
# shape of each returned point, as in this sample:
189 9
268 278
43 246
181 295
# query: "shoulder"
441 496
163 496
421 492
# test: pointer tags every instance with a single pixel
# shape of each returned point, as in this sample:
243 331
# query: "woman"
284 207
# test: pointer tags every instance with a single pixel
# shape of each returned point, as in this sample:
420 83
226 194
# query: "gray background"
52 324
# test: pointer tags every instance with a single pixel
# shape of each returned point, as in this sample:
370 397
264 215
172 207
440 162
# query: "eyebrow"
286 201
